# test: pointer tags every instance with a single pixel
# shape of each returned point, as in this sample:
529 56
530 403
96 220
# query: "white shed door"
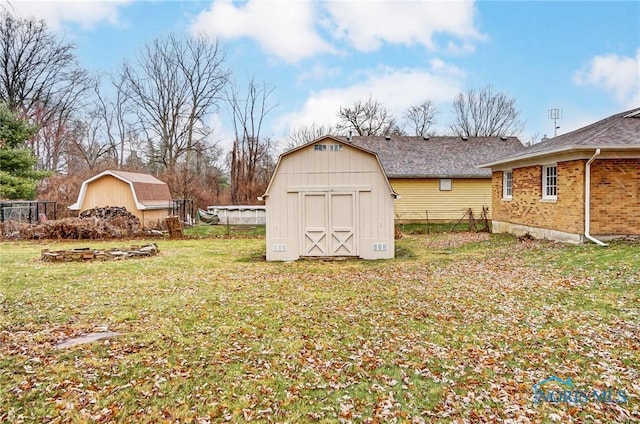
329 224
314 218
341 224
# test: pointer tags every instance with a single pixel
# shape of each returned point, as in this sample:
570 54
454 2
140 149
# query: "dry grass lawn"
457 328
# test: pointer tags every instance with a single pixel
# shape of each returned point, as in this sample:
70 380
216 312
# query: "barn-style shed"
329 198
143 195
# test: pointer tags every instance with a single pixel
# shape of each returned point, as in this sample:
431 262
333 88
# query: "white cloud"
319 72
366 25
618 75
396 89
283 28
56 13
290 29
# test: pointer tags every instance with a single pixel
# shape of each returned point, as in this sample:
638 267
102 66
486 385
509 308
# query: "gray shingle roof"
619 131
437 157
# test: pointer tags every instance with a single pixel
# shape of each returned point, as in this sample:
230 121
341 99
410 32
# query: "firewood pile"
110 213
97 223
87 254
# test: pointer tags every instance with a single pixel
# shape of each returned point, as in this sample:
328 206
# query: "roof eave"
553 152
154 207
423 176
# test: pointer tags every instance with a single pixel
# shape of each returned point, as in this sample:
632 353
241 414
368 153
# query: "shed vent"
279 247
379 247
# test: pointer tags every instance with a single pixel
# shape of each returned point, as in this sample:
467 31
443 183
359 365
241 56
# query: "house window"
550 182
507 184
319 147
445 184
335 147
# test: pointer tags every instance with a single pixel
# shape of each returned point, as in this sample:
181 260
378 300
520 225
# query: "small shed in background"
329 198
240 214
142 195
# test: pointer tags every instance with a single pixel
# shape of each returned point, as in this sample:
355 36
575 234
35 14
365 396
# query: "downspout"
587 200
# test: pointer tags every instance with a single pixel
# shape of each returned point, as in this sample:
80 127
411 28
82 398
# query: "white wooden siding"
349 171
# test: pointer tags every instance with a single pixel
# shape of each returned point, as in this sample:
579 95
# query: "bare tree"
367 118
174 86
485 113
306 133
87 148
37 67
421 118
115 114
57 125
251 162
41 79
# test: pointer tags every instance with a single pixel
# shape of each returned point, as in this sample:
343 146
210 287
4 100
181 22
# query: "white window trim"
546 196
506 196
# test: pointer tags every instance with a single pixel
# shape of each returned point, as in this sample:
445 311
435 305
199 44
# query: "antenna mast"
555 115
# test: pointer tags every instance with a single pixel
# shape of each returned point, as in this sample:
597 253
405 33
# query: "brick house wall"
527 207
615 197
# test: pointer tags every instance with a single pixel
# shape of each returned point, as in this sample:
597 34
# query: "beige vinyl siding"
419 196
354 173
152 218
109 191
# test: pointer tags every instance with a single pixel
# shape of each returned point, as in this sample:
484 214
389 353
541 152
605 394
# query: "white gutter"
587 199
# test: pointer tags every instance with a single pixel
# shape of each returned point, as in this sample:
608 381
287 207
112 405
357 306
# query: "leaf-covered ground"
458 328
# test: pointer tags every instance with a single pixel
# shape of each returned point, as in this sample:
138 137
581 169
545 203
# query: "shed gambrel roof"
148 191
617 132
320 140
437 157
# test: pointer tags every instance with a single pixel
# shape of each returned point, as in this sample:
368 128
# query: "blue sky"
580 56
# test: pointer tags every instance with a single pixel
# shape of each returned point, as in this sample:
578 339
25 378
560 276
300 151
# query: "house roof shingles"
619 131
437 157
